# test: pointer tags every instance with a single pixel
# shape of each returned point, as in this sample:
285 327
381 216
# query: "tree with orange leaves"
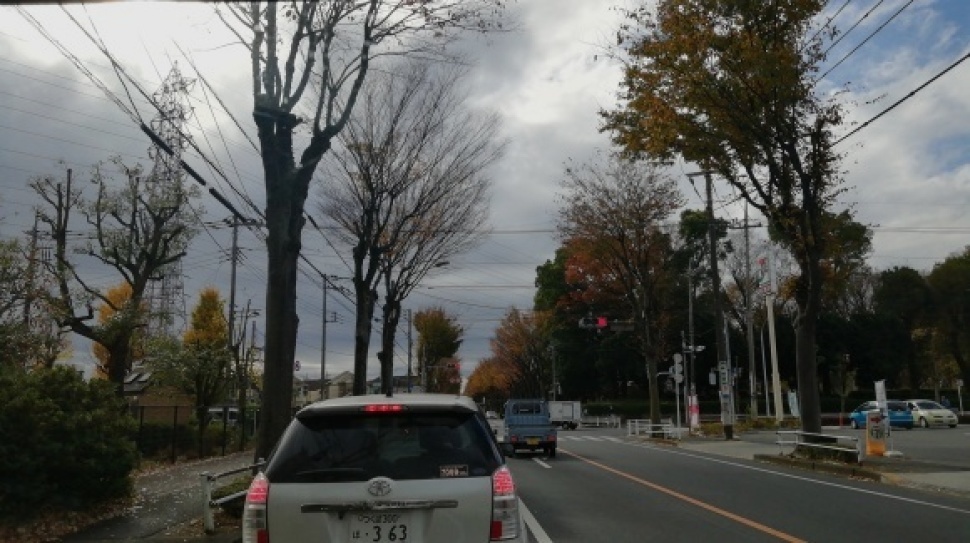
613 218
521 361
489 382
118 298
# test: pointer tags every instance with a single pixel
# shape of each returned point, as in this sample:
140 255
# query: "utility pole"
235 343
323 342
323 339
752 371
555 382
409 349
749 325
244 396
723 364
31 267
772 340
233 257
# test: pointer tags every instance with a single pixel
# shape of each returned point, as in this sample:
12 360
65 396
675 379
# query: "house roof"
137 381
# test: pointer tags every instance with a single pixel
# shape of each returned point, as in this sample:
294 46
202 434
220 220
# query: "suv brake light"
383 408
254 529
505 506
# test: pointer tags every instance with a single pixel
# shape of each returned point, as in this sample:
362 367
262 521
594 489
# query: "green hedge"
64 443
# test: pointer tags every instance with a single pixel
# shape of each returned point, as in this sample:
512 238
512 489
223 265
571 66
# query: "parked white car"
408 468
928 413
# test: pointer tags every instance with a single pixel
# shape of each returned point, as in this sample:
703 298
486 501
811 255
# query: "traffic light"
601 322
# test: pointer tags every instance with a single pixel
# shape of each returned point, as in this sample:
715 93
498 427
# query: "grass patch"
233 508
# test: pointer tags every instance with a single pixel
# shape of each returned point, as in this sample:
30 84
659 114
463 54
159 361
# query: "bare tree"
137 229
409 193
309 62
613 214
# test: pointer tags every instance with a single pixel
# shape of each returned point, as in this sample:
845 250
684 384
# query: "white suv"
409 468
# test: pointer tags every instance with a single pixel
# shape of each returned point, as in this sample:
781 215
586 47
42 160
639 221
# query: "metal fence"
665 429
831 442
210 483
173 431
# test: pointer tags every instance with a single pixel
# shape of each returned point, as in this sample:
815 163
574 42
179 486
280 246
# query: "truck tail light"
254 526
505 506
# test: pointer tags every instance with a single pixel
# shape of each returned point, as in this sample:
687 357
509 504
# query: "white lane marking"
806 479
537 532
591 438
541 463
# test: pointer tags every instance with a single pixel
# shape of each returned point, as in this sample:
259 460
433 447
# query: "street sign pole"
960 394
677 374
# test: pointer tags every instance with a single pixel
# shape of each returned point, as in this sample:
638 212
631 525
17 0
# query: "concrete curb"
845 470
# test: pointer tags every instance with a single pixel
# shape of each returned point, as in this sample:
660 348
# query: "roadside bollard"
208 519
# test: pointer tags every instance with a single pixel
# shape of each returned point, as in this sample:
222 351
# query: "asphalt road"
602 487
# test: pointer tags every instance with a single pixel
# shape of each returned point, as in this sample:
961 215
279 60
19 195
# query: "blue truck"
527 427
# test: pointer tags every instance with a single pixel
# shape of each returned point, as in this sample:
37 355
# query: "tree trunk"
806 365
808 398
281 326
362 332
392 315
119 353
285 196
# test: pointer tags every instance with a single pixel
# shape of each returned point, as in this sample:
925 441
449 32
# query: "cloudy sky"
908 173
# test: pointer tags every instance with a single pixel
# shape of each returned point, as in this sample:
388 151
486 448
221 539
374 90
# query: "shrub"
64 443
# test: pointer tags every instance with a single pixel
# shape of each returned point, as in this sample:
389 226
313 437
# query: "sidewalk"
903 471
168 507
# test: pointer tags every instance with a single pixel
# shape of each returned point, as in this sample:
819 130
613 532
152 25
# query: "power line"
826 25
863 42
903 99
851 28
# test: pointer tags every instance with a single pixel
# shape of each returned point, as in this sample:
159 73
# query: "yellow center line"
693 501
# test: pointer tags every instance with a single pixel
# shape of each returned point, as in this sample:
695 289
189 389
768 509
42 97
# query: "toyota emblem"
379 487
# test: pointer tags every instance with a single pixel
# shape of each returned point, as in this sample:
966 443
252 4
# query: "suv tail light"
254 529
383 408
505 506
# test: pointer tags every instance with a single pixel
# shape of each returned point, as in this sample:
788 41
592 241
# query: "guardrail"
665 427
612 421
821 441
209 485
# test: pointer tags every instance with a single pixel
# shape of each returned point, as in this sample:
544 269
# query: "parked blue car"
899 414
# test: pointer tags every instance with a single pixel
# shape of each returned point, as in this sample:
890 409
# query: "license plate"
532 441
380 527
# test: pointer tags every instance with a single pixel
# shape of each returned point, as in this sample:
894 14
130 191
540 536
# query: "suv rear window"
342 447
